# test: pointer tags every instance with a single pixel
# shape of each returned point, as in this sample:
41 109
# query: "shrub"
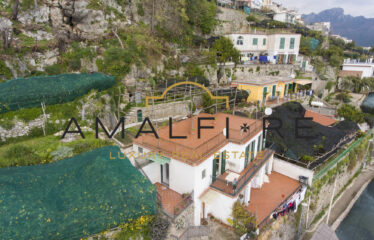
243 222
20 155
159 228
4 70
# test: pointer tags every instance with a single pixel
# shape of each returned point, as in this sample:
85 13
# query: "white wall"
291 170
153 171
272 46
221 208
181 177
368 70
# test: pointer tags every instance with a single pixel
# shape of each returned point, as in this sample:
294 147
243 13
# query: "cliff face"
360 29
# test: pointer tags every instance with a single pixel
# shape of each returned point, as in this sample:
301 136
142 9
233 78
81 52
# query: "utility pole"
153 16
44 117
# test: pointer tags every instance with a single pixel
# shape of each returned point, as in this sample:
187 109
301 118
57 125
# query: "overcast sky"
352 7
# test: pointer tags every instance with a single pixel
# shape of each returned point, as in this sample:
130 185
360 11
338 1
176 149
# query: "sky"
353 7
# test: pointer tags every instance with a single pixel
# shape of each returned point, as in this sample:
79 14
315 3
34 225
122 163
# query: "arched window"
240 40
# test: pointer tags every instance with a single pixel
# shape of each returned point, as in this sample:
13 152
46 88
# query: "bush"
20 155
5 71
159 228
243 222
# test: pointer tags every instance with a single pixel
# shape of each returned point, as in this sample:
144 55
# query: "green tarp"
31 92
74 197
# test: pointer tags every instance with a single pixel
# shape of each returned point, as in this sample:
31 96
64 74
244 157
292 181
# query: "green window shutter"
253 150
285 89
282 42
255 41
292 43
214 174
246 156
264 41
223 162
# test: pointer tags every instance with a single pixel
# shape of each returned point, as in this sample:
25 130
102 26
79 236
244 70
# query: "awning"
209 197
303 81
155 157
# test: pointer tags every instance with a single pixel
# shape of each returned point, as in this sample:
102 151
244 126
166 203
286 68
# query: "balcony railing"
193 155
186 201
221 184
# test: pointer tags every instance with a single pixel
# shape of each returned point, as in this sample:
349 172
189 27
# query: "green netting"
74 197
314 43
30 92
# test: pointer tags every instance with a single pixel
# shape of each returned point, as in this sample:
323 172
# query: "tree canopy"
225 50
349 112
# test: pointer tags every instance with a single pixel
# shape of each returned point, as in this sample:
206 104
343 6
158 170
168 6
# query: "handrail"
183 204
249 173
282 203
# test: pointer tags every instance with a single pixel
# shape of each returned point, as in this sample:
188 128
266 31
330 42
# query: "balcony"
224 182
171 202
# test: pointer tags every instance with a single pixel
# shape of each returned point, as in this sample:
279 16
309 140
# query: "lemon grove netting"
73 198
31 92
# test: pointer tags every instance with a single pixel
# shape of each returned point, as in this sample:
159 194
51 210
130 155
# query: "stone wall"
182 222
256 70
159 111
21 128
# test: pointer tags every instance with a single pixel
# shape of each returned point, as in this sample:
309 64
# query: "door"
264 94
246 156
165 174
223 162
139 115
285 89
274 89
215 168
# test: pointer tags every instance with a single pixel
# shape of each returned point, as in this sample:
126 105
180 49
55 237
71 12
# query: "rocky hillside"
360 29
130 39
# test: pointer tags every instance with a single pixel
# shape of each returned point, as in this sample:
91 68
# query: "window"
239 41
203 173
282 41
259 147
140 150
255 41
264 41
292 43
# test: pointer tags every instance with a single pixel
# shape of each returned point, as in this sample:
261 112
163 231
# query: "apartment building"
228 163
282 48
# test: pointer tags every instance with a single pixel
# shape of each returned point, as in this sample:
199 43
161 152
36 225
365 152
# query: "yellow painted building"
270 89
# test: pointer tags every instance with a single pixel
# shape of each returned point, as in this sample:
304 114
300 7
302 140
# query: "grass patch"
38 150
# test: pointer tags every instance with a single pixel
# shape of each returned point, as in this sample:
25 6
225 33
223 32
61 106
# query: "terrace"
171 202
273 194
223 183
193 149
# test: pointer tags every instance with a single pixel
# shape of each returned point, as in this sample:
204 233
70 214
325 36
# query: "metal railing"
267 219
183 204
192 155
231 189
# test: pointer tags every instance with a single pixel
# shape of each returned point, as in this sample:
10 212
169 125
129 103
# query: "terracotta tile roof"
194 150
346 73
267 198
319 118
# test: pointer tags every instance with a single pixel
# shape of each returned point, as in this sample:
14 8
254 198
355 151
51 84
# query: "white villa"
228 163
363 69
281 48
